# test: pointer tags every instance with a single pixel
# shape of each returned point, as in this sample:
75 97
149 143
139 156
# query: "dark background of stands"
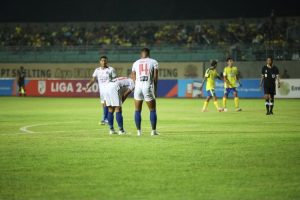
190 30
133 10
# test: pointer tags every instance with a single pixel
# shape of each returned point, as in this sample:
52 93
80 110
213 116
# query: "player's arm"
133 76
261 81
261 78
126 94
155 81
203 81
278 80
238 78
113 74
89 84
18 76
226 80
225 77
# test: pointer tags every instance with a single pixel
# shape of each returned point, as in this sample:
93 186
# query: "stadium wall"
167 70
183 88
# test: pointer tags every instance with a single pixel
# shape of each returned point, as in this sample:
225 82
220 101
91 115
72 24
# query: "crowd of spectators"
189 33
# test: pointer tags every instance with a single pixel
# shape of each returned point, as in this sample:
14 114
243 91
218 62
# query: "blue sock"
105 113
119 118
110 118
153 119
138 119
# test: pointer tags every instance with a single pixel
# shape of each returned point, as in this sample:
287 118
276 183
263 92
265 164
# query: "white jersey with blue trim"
124 82
104 75
144 69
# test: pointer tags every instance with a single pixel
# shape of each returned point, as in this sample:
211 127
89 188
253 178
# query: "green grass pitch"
62 153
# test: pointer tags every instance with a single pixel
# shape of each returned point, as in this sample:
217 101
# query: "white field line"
25 129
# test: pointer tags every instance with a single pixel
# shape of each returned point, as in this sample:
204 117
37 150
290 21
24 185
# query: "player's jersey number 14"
143 72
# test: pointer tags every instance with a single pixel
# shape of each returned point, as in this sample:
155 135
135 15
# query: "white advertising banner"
289 88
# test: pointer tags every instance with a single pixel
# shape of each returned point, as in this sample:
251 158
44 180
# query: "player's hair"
229 58
213 63
146 50
103 57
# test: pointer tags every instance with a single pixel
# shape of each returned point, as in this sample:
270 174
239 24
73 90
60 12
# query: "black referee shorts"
270 89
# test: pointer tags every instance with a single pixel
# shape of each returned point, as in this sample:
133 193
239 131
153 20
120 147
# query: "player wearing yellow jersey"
231 77
210 77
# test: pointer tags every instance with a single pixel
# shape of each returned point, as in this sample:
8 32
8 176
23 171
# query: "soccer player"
269 75
116 93
231 76
145 75
21 81
210 76
102 75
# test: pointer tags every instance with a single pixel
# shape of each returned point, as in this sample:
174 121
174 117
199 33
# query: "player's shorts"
113 95
21 83
211 93
227 91
144 92
102 93
270 89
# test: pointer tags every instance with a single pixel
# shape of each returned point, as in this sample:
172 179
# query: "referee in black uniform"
21 81
269 74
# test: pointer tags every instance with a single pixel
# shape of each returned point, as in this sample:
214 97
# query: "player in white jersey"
145 75
116 93
102 75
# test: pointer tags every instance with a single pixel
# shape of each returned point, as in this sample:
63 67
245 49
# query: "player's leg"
153 116
116 98
213 95
105 112
110 118
104 107
151 103
271 104
137 115
226 92
119 118
20 88
204 108
267 103
209 94
103 96
267 98
23 87
236 100
216 103
138 102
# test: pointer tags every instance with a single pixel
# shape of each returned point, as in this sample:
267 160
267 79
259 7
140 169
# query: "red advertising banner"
60 88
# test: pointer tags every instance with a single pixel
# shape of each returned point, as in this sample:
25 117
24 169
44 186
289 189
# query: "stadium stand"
244 39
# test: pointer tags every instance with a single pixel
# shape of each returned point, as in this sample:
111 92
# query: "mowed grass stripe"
212 155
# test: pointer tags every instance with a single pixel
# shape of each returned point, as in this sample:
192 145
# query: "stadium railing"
162 53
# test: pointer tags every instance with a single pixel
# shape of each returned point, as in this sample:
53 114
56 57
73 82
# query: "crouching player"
116 93
210 76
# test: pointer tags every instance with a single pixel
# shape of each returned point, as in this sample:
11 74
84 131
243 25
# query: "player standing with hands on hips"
145 75
21 74
269 74
102 75
231 76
